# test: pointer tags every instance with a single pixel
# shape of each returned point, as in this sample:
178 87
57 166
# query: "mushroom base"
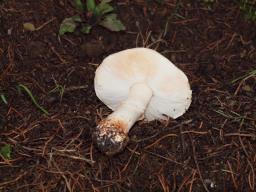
110 137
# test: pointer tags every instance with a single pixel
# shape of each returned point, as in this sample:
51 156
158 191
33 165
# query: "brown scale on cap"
110 137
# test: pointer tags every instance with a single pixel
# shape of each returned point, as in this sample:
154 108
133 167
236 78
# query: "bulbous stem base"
111 135
109 139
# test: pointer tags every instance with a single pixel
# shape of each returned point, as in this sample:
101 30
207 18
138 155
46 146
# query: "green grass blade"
248 75
5 151
23 87
3 98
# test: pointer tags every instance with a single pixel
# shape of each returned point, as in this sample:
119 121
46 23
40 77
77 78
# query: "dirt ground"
212 147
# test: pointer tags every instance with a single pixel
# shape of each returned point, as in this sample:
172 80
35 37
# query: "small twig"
63 176
74 88
145 42
44 24
192 181
185 21
163 183
195 132
243 147
10 65
14 180
251 176
163 130
197 165
46 144
158 140
182 140
58 55
231 40
128 162
163 157
240 135
185 180
133 151
94 64
89 161
232 175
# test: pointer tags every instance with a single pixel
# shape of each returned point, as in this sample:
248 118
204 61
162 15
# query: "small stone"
29 26
9 31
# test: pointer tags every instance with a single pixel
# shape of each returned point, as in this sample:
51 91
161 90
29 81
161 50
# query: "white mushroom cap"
119 71
165 86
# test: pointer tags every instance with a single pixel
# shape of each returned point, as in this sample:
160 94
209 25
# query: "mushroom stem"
111 135
132 109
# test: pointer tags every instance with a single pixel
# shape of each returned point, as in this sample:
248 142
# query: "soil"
212 147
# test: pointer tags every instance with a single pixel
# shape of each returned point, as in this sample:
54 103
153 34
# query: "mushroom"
137 84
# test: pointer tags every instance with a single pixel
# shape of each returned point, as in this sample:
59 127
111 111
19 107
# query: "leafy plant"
248 7
92 14
5 151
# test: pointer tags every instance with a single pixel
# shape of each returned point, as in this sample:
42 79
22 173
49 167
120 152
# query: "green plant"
248 7
59 89
5 151
242 79
248 75
230 115
3 98
208 3
22 87
92 14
